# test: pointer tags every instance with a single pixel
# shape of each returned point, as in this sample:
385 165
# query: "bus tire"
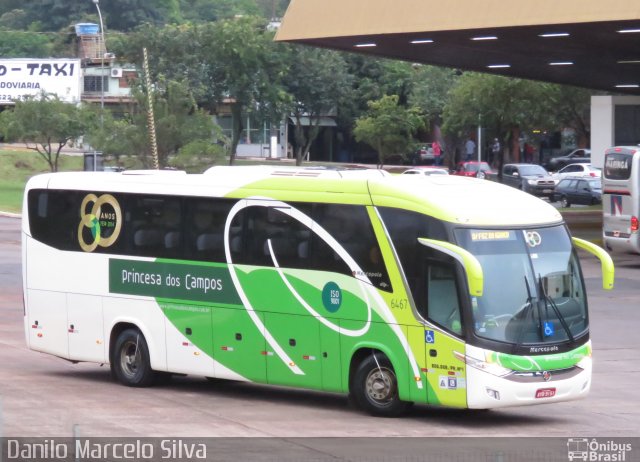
131 365
375 387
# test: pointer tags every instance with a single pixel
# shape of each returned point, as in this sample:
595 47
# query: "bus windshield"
533 291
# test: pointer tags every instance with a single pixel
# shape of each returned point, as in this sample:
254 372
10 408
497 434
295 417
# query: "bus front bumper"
523 388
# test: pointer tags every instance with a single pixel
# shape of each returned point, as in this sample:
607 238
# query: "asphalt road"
44 396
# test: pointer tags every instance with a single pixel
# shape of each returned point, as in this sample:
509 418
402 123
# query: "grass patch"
17 166
582 208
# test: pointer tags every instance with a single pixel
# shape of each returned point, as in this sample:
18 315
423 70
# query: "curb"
10 215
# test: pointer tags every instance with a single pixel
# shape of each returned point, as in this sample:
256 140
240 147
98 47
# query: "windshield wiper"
555 308
528 308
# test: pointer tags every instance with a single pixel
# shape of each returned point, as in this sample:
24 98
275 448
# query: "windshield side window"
442 300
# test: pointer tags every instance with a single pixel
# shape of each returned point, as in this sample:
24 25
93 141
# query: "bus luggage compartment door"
47 326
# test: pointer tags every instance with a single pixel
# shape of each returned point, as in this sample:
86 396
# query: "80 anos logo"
100 225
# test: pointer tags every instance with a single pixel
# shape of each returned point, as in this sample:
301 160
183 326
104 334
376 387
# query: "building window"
93 83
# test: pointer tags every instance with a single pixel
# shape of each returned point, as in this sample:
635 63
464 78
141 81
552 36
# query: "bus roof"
462 200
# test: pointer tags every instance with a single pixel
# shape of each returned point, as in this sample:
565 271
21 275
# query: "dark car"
531 178
578 191
577 156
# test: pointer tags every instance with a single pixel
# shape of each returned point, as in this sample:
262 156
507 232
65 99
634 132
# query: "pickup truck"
577 156
530 178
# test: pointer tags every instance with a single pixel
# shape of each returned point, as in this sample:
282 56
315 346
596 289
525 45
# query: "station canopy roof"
588 43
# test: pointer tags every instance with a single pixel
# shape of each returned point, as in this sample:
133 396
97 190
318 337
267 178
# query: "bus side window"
206 220
54 217
156 226
351 227
442 302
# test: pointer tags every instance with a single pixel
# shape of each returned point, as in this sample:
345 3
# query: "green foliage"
198 155
46 124
178 122
15 19
372 78
214 10
430 89
22 44
232 61
388 127
316 80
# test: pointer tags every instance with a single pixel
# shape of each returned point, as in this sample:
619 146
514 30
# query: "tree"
244 70
572 106
182 130
315 80
54 15
388 127
507 105
46 124
232 62
430 90
214 10
22 44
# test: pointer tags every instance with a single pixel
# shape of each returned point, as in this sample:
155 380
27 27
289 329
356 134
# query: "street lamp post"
104 48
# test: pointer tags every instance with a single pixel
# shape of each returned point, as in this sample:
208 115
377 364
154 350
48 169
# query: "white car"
426 171
577 170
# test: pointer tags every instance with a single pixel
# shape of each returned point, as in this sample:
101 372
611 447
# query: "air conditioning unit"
116 72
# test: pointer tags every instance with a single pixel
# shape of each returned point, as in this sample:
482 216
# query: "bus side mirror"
471 265
606 263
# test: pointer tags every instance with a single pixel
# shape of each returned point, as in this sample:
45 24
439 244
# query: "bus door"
438 299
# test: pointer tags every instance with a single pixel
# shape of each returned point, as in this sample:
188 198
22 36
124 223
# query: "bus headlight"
491 368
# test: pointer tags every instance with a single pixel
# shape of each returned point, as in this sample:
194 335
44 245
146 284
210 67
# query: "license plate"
545 393
547 191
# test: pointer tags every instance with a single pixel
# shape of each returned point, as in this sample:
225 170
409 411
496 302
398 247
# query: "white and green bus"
442 290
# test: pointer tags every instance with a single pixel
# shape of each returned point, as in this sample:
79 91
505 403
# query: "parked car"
473 168
586 191
576 156
577 170
426 170
531 178
422 154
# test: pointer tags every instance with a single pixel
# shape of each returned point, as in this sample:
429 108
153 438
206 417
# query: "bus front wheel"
130 360
375 387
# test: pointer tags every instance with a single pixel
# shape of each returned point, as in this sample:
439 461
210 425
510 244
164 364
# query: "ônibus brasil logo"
99 226
593 450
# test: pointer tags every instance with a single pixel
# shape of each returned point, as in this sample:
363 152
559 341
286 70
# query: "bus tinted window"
205 221
54 217
427 274
617 166
154 226
351 227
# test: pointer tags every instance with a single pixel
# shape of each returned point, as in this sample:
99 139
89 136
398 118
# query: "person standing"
495 150
437 152
469 149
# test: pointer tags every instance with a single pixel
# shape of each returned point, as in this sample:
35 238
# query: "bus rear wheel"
375 387
130 360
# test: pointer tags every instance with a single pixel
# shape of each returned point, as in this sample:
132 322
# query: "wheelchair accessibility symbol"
429 336
549 330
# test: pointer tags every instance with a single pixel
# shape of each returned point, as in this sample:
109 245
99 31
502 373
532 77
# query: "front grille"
537 377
